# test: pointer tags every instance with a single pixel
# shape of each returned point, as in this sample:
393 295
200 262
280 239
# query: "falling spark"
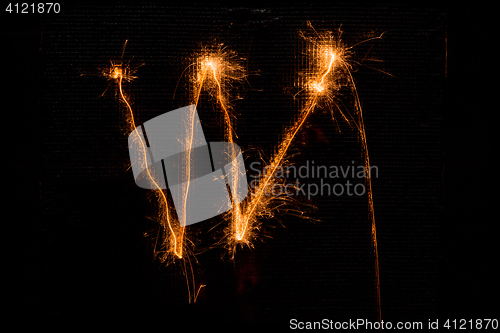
371 211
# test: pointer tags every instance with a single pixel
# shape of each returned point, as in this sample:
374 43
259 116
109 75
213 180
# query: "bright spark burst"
118 70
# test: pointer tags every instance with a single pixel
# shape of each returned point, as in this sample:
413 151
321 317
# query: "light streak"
172 236
217 69
371 211
344 72
322 79
330 70
118 72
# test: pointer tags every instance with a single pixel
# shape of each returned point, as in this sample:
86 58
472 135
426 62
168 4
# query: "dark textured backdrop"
78 251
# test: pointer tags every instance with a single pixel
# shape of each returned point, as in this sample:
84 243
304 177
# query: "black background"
76 251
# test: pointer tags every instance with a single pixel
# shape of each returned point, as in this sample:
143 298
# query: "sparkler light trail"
321 43
323 78
118 72
171 234
329 71
371 211
217 68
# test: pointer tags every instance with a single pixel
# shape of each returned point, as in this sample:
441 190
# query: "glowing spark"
117 71
318 86
216 69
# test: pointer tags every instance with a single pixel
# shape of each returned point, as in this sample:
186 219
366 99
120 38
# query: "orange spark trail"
122 96
371 211
216 63
236 212
322 45
217 66
229 131
197 95
285 144
206 62
274 165
118 73
177 247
